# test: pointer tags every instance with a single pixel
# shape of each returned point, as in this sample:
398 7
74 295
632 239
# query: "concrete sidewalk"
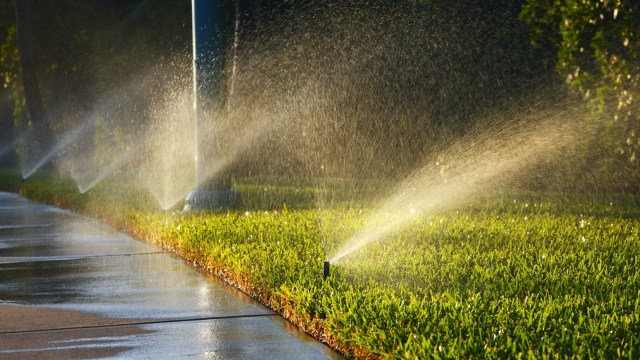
71 287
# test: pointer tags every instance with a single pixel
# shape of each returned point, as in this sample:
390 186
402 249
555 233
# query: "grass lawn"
519 274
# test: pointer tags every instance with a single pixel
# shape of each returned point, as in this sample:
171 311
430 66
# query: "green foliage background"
597 45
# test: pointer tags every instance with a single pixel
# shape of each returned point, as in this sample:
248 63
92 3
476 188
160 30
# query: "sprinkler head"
325 270
212 200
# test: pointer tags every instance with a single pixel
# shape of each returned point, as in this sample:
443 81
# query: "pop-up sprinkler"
213 200
325 270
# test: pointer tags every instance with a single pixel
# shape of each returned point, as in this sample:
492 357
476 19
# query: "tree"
10 61
31 86
597 43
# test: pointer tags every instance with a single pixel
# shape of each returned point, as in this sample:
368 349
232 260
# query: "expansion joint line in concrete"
138 323
72 258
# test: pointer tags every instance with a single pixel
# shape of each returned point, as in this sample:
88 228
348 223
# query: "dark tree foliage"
86 49
597 46
38 124
94 58
12 104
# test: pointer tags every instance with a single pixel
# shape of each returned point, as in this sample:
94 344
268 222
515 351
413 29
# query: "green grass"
519 275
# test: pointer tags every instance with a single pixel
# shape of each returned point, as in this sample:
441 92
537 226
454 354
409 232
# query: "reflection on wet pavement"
56 259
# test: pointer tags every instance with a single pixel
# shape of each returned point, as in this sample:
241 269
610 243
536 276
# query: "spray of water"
89 161
64 142
477 163
88 180
342 91
9 145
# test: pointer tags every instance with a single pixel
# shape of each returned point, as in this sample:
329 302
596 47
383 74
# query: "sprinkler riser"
325 270
212 200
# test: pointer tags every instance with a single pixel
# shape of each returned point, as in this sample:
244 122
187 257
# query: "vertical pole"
196 117
209 40
211 26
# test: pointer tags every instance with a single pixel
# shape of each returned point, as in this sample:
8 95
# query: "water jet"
498 156
66 140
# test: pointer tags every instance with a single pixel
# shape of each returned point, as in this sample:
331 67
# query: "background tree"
95 59
40 136
597 44
8 70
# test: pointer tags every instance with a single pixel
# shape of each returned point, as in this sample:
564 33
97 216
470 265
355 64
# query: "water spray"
498 156
67 139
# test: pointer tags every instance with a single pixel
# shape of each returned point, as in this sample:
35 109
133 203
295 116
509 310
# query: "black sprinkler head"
325 271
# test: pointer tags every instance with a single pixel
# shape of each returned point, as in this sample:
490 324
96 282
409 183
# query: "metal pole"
196 117
211 31
208 30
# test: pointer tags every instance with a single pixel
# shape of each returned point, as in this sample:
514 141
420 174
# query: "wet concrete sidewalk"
72 287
